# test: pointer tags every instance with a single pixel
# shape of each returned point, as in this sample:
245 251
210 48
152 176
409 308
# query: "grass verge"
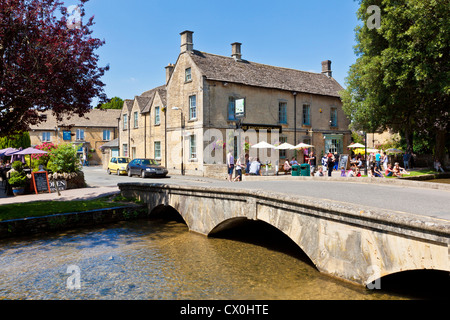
45 208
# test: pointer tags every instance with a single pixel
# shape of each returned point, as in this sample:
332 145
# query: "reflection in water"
163 260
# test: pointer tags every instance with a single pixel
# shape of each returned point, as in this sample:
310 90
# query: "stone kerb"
342 240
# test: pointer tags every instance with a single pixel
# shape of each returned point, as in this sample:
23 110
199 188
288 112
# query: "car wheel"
118 172
142 174
129 172
108 171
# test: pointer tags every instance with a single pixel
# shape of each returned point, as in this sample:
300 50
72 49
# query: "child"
343 172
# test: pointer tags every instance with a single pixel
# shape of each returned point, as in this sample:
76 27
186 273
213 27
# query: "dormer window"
187 75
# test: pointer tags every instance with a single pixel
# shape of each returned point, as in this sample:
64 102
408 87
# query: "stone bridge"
355 243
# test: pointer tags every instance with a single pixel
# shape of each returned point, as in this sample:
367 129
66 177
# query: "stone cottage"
211 104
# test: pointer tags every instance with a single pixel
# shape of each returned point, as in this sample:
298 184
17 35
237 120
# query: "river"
162 260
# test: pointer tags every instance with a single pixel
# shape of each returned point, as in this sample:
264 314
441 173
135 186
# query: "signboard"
239 108
343 161
40 182
62 185
67 135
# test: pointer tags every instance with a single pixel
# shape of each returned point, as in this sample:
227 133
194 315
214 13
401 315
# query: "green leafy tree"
64 159
114 103
20 140
401 77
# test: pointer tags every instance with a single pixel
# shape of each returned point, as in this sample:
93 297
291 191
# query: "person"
230 165
287 167
336 161
399 171
385 161
330 163
406 158
239 167
319 173
351 172
438 166
378 160
247 163
343 174
358 172
255 167
312 162
389 172
293 161
377 172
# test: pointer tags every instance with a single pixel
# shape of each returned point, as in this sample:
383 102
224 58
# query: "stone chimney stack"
236 51
326 68
186 41
169 71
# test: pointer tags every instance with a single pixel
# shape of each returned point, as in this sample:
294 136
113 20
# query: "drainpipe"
295 121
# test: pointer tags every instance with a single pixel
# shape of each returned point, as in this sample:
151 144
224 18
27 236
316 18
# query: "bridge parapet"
354 243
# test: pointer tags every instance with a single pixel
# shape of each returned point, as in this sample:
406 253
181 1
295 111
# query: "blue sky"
143 36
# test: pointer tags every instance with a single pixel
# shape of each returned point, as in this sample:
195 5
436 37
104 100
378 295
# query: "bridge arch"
355 243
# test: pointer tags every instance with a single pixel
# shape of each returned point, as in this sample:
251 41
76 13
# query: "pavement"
421 198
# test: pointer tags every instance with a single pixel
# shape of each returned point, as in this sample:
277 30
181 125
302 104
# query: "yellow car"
118 165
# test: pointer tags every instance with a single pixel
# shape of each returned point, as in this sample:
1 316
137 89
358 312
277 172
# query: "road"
416 200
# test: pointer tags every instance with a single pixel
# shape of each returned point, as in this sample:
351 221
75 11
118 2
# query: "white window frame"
192 147
107 135
46 136
136 120
157 115
193 107
188 75
125 122
282 112
80 135
157 150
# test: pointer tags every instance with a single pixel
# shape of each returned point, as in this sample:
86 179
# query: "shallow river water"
164 261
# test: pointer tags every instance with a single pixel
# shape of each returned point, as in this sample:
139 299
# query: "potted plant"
18 178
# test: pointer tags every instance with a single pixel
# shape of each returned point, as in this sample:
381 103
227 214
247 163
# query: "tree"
46 63
114 103
20 140
401 77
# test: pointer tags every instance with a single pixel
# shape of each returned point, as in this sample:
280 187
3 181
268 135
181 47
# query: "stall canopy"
29 151
356 145
263 145
284 146
303 146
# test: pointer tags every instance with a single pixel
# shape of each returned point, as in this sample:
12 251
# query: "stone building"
87 133
215 103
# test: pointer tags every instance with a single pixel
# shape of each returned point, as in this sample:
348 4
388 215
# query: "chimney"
326 68
186 41
169 71
236 51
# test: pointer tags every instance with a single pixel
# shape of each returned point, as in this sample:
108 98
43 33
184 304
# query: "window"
106 135
136 118
187 75
333 117
133 152
157 115
46 136
306 115
192 147
125 150
334 143
282 151
125 122
192 107
231 109
158 150
282 112
80 134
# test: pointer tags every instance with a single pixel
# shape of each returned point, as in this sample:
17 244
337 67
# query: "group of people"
251 166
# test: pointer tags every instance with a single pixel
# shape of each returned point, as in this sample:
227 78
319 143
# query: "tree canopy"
401 79
46 63
113 103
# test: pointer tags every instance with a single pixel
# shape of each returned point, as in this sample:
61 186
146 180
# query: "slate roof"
95 118
221 68
150 95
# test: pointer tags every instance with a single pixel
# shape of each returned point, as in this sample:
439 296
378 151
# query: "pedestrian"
378 160
385 161
238 168
312 162
319 173
438 166
406 158
330 162
255 167
343 172
230 166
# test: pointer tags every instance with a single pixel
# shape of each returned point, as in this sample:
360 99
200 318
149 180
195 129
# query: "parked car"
146 168
118 165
